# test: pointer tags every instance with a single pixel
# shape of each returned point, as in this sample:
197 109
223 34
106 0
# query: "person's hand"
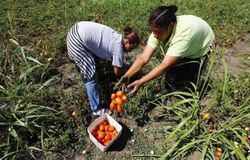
122 83
136 85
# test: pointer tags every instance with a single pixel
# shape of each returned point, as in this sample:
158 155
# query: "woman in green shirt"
181 38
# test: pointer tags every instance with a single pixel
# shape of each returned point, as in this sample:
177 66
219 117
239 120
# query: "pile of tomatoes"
117 99
104 133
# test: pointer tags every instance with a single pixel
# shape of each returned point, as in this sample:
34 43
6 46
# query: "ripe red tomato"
119 93
112 106
101 135
104 122
118 100
97 127
94 133
107 137
106 143
99 139
111 128
124 98
106 127
113 96
119 108
102 127
217 154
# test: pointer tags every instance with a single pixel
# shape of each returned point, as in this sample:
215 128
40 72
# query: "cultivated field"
44 111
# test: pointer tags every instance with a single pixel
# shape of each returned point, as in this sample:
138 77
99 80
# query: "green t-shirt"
191 38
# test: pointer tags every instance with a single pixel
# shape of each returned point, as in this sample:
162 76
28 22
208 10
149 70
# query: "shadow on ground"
144 117
122 141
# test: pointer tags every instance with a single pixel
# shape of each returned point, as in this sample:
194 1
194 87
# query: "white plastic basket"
98 121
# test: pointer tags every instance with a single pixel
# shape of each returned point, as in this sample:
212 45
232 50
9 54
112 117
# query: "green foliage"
36 105
23 124
225 128
31 121
29 21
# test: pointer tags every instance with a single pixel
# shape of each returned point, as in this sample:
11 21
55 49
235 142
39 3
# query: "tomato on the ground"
217 154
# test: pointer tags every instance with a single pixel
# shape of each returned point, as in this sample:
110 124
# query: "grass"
225 129
39 93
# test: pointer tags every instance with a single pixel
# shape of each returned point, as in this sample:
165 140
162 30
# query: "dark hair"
162 16
132 36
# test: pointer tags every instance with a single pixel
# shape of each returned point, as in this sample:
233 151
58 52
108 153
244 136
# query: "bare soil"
238 57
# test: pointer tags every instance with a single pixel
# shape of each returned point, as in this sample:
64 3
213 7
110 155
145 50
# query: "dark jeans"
186 70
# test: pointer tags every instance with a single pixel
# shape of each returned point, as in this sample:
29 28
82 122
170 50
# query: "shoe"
108 111
101 112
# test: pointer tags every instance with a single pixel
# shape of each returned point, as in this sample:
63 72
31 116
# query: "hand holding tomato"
122 83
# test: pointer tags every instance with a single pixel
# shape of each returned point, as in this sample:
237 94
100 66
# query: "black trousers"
186 70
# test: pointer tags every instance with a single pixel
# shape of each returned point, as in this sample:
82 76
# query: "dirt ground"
238 57
144 126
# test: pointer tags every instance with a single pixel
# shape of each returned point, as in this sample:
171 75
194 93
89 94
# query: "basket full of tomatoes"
104 131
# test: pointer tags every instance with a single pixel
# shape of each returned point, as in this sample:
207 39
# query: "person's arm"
140 62
166 64
117 71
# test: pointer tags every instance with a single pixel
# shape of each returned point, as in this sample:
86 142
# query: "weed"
36 102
